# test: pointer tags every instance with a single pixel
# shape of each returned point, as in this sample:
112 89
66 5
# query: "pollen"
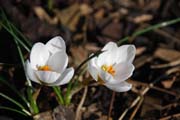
44 68
108 69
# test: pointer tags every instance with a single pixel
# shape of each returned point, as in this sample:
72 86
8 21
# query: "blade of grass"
18 41
5 19
14 110
15 102
12 33
57 91
14 90
148 29
33 103
70 84
11 100
20 33
68 95
50 4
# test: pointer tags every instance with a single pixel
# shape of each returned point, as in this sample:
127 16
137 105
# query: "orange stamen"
108 69
44 68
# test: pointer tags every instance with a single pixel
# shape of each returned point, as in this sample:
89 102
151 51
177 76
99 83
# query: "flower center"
108 69
44 68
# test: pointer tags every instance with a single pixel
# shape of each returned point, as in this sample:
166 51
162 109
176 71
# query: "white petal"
58 61
47 77
126 53
120 87
64 78
109 56
30 72
109 46
56 44
122 72
39 55
92 68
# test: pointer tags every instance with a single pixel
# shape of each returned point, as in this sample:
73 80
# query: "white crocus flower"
48 63
112 67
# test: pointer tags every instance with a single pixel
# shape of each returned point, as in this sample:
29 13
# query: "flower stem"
58 93
33 104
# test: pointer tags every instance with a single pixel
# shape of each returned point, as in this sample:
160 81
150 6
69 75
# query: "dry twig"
111 104
171 117
78 111
136 109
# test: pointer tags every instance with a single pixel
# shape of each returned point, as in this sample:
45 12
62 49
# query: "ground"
86 27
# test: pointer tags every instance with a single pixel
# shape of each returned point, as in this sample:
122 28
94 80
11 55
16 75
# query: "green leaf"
14 110
14 90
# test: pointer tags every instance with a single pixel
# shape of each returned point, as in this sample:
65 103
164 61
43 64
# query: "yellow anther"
44 68
108 69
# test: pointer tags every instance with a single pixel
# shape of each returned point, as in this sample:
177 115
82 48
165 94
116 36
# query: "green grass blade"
20 33
148 29
12 100
58 93
12 109
15 36
32 101
14 90
13 30
29 89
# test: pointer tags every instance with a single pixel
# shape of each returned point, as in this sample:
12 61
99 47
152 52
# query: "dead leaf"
143 18
92 47
140 50
140 61
167 54
150 104
79 54
168 83
90 109
99 14
69 16
42 15
85 9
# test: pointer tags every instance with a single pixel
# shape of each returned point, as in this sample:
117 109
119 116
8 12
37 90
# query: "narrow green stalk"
71 87
150 28
20 33
12 33
14 110
33 104
67 96
12 100
86 60
15 102
14 29
22 60
58 93
14 90
156 26
50 4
